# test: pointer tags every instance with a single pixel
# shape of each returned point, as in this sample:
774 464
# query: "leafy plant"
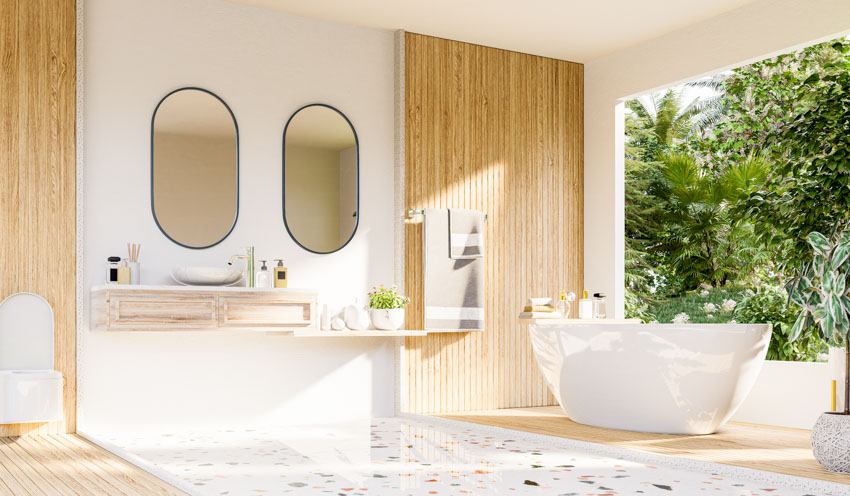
387 298
821 290
769 304
806 129
703 241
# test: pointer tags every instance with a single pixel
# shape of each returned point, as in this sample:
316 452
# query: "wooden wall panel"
501 132
38 173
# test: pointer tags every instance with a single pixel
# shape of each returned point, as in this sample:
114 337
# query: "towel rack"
411 212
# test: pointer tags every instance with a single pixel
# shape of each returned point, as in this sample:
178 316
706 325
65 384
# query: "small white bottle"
585 307
263 278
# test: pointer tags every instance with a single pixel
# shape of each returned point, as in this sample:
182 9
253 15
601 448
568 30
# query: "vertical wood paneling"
38 174
501 132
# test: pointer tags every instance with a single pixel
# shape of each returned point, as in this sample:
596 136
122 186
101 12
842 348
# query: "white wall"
265 65
788 394
748 34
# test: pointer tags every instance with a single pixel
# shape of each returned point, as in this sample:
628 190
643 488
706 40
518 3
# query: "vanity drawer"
166 311
292 311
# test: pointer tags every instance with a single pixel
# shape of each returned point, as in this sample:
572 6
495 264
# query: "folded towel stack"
539 308
539 305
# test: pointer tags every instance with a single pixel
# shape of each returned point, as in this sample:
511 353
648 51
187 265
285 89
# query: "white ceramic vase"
388 319
356 317
831 442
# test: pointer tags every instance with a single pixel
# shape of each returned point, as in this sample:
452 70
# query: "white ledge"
233 289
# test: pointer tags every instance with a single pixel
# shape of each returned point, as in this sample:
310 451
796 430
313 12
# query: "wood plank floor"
760 447
52 465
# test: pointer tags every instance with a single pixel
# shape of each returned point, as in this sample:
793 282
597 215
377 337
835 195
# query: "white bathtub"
666 378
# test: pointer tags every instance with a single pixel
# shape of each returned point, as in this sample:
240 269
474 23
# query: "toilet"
30 389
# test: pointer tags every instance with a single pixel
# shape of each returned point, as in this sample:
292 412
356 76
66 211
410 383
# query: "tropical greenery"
823 294
769 304
723 190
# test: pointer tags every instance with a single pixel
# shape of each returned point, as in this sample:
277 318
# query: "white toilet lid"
26 333
33 375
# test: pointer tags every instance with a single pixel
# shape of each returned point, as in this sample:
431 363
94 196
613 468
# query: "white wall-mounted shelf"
371 333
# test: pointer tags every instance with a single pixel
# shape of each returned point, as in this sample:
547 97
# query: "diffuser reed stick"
133 250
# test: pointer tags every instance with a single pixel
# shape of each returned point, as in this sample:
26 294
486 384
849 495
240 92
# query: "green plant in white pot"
822 290
387 308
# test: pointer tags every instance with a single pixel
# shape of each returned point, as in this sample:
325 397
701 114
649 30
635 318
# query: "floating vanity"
211 308
199 308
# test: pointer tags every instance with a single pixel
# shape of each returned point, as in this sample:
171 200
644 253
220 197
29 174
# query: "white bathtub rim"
620 326
816 486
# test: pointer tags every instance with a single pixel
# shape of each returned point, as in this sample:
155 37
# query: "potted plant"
821 289
387 308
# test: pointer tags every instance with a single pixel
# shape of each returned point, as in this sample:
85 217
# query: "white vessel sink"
206 276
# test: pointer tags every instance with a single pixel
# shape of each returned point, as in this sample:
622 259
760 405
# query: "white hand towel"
466 234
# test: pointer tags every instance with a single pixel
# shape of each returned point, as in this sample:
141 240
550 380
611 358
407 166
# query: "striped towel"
466 234
454 289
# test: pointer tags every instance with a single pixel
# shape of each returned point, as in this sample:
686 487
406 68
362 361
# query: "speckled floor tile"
401 456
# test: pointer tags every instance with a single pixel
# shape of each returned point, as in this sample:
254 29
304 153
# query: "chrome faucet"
249 265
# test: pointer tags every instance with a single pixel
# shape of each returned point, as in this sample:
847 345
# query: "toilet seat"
30 389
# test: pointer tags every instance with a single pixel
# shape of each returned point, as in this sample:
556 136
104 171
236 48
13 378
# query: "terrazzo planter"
831 442
388 319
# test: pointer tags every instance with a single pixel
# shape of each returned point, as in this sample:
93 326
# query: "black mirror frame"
283 178
235 126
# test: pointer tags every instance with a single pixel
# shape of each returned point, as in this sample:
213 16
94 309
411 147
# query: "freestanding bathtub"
665 378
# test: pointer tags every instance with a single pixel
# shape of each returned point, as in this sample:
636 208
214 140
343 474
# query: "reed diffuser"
133 250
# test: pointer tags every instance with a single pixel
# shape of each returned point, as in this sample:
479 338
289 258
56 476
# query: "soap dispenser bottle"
264 276
280 274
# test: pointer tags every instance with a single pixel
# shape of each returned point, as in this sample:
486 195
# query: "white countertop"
233 289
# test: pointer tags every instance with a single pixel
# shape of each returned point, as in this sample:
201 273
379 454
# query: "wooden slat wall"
37 173
501 132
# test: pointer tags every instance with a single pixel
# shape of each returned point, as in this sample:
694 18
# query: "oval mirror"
194 168
320 178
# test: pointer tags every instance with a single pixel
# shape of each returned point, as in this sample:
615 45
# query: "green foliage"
760 99
387 298
810 188
723 191
703 241
702 306
821 290
769 305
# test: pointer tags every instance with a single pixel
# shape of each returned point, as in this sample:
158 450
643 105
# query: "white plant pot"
831 442
388 319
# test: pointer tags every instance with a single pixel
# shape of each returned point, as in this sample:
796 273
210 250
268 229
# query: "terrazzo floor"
404 456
